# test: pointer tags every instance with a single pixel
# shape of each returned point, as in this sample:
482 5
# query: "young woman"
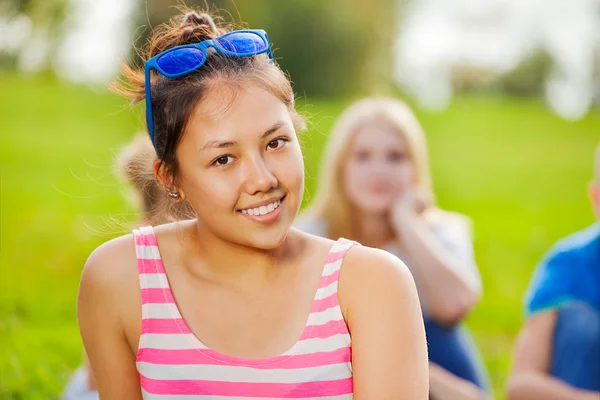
375 188
235 303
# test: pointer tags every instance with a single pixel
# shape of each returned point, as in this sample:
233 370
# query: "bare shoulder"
109 298
111 263
372 264
369 274
381 308
109 316
109 289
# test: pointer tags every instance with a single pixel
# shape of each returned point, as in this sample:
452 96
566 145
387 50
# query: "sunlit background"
508 92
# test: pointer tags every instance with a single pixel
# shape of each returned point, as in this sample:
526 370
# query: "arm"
100 314
444 385
449 283
529 378
92 385
381 307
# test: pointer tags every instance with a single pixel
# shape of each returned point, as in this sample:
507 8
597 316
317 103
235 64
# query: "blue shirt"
570 271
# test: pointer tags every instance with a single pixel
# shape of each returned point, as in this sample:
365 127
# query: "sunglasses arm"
147 84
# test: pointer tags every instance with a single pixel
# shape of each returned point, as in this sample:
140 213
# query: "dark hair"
174 100
134 166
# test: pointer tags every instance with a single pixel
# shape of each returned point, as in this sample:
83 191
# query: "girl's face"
377 169
241 167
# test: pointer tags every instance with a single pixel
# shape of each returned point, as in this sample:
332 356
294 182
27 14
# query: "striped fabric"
174 364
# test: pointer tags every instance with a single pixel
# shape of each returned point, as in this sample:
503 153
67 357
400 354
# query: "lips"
262 210
379 189
264 213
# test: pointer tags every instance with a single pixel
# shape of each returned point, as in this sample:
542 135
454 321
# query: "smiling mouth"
263 210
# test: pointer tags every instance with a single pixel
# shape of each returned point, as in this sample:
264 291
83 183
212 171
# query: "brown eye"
362 156
223 160
396 156
275 144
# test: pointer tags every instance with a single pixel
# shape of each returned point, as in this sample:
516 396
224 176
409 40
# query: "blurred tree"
333 48
40 23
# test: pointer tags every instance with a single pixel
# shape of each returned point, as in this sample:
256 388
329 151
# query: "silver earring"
173 195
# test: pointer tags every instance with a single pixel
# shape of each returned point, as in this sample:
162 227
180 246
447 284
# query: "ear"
160 173
594 193
166 179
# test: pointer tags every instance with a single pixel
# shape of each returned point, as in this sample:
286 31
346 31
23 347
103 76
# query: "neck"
230 263
374 230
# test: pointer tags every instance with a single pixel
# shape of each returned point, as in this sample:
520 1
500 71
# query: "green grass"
517 170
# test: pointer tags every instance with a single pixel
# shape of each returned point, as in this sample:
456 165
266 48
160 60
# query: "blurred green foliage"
46 14
517 170
332 48
47 19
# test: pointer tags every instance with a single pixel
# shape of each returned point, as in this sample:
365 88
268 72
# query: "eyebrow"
224 144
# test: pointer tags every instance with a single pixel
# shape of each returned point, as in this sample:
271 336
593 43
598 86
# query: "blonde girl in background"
375 187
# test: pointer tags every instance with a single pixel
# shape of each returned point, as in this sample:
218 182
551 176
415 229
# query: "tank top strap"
153 278
333 263
326 307
159 310
146 249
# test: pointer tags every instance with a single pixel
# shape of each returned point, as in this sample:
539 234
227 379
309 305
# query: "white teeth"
262 210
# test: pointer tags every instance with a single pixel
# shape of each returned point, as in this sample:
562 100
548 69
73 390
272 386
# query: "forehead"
377 136
231 112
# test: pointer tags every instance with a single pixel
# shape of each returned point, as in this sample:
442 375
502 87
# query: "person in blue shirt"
557 355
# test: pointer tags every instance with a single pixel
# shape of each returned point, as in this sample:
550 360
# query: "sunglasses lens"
181 60
243 43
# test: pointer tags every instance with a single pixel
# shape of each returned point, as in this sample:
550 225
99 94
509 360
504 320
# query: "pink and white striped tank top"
174 364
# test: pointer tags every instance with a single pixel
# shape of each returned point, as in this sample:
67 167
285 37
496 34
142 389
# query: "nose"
259 176
380 167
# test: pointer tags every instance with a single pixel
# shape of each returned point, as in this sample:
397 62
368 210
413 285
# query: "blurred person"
134 165
557 353
375 188
236 303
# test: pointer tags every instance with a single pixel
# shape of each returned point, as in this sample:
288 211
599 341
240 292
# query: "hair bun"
193 18
197 27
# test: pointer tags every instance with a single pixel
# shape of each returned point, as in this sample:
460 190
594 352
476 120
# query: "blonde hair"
331 203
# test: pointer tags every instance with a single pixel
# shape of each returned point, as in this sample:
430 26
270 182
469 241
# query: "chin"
375 207
268 240
262 235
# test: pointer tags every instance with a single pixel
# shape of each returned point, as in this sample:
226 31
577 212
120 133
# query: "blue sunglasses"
182 60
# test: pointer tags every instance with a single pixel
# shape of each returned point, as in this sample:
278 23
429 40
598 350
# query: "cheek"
404 175
356 174
211 191
355 182
289 170
220 191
